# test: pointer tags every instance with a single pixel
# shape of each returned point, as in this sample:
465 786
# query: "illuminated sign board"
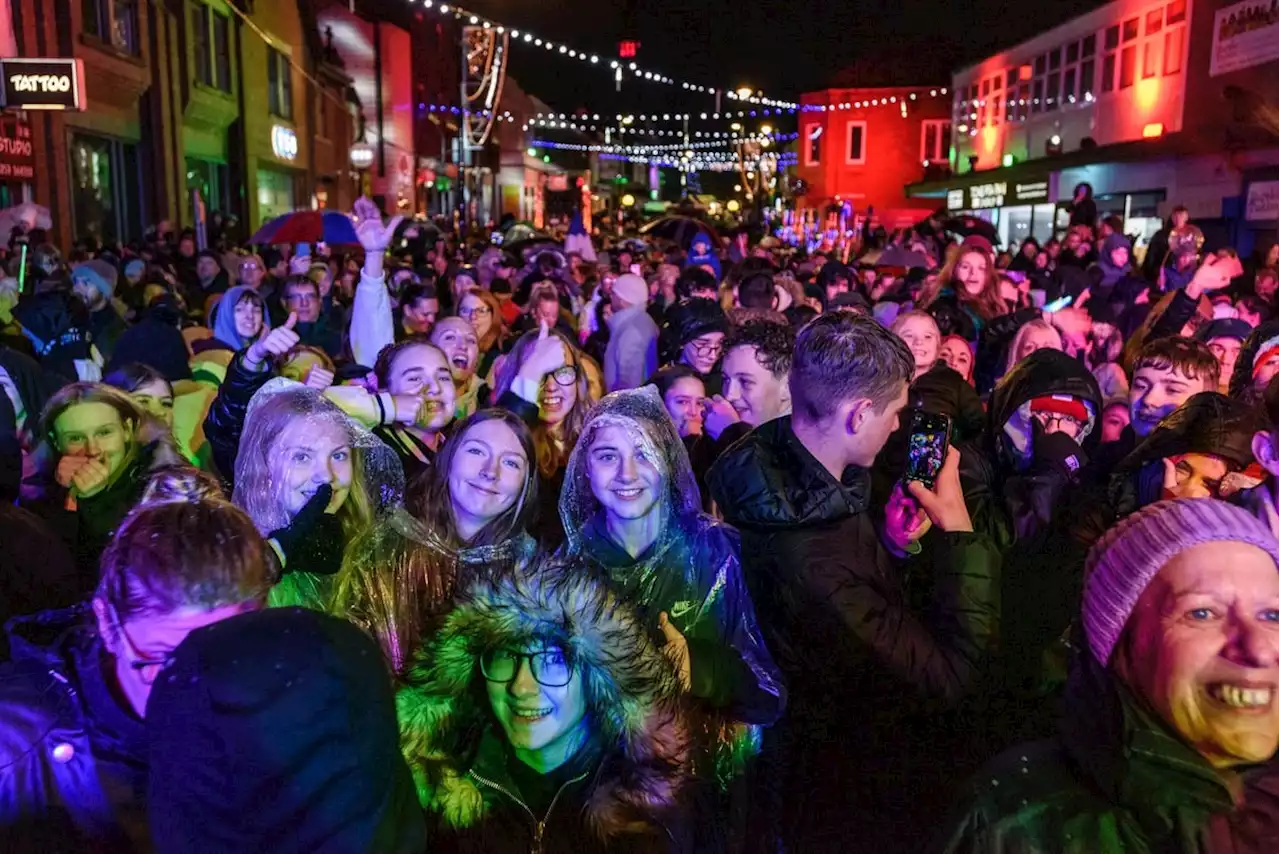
955 200
17 158
990 195
1031 191
284 142
628 49
42 84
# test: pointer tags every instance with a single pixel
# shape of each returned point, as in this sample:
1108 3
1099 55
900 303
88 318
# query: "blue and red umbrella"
332 227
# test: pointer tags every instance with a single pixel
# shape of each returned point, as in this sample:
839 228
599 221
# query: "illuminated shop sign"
1032 191
988 195
42 84
284 142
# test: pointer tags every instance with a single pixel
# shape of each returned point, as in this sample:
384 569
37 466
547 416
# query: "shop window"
813 146
212 180
856 153
114 22
935 141
105 193
279 85
210 39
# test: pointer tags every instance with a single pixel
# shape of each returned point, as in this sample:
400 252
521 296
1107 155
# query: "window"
935 141
856 153
813 147
221 51
114 22
212 180
105 188
210 36
279 84
1145 47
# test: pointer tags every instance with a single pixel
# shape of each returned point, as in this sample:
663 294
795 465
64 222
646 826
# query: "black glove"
313 541
1056 452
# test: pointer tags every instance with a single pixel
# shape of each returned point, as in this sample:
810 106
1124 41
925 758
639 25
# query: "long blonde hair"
255 485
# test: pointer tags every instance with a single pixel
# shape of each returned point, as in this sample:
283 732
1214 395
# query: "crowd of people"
605 543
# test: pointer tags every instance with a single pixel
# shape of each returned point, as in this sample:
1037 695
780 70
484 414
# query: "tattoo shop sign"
42 84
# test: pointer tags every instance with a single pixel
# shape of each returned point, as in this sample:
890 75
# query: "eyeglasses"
549 667
300 298
565 375
707 348
468 313
146 668
249 268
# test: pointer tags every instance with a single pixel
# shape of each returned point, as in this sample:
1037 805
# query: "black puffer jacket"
225 421
1011 485
867 677
72 763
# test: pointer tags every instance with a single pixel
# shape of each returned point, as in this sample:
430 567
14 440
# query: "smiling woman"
1181 614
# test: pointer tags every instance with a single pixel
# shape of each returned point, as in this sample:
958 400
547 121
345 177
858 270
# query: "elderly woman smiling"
1168 737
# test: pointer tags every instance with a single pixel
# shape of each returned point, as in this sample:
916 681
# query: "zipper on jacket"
539 827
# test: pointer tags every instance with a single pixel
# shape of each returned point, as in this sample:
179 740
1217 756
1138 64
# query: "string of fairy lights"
619 68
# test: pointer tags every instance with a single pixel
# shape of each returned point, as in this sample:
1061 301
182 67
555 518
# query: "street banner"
1244 35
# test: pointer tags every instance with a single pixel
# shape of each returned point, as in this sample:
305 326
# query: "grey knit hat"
1123 562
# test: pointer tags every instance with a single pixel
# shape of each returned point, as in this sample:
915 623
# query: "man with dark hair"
757 291
757 357
696 282
301 297
859 662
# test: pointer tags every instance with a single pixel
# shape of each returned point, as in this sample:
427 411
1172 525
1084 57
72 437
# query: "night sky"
783 48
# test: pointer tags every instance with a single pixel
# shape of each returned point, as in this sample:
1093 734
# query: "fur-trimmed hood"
632 692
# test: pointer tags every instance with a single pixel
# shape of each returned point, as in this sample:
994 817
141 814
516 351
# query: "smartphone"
304 250
1059 304
927 446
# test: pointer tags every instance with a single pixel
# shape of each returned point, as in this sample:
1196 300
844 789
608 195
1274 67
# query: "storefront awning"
1033 181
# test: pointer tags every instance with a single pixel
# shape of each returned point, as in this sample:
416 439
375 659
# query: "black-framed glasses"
146 667
707 348
549 667
565 375
468 313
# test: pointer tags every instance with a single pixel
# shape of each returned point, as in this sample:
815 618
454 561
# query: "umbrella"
899 256
526 250
332 227
681 229
521 232
27 215
966 226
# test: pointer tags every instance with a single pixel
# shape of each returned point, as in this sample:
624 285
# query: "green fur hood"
633 697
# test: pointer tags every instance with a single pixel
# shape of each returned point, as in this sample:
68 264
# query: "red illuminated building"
1153 103
861 146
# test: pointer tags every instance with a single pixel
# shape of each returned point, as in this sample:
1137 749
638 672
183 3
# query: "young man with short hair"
757 360
861 665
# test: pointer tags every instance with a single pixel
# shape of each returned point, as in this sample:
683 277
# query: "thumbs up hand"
277 342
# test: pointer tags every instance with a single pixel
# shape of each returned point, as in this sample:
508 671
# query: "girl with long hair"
400 577
311 478
545 383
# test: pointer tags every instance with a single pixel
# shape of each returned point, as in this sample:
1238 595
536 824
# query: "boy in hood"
702 255
1224 338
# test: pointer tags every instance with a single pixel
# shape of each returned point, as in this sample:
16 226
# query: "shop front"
1017 208
17 163
277 193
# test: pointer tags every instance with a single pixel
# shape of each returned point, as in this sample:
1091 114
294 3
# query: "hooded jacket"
709 258
623 791
274 731
862 667
691 572
1011 485
224 320
1115 779
1242 378
1207 423
72 763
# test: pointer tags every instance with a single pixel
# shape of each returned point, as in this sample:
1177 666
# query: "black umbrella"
967 226
681 229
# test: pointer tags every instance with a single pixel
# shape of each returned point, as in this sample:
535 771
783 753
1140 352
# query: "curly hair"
774 344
